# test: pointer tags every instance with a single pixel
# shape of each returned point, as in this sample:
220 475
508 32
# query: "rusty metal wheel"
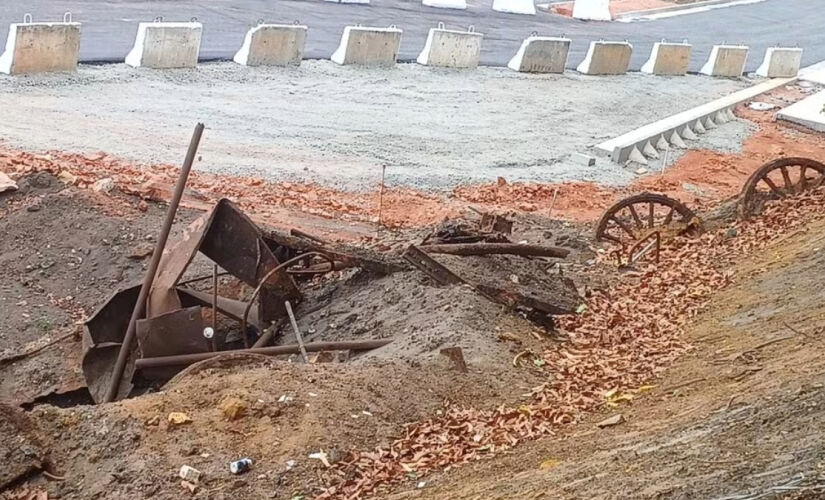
777 179
637 217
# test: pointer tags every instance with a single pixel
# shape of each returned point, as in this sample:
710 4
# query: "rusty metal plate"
98 362
431 267
177 332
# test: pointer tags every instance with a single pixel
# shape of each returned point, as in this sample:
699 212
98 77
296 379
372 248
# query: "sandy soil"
338 125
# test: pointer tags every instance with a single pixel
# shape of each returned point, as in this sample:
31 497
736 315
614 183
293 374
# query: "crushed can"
240 466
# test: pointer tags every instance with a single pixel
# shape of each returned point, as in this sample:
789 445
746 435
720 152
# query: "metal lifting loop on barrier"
392 26
259 22
471 29
158 19
67 17
440 25
296 22
27 18
193 19
534 33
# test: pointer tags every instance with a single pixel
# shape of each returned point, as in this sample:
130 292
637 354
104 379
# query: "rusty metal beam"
129 338
188 359
496 249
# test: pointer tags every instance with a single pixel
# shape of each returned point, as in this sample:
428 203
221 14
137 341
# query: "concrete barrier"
366 46
668 59
807 112
41 47
541 54
674 129
592 10
162 45
726 60
526 7
451 49
273 45
780 62
445 4
606 58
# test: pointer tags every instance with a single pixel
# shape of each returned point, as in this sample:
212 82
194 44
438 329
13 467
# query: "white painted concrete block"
541 54
41 47
273 45
606 58
808 112
367 46
445 4
726 60
592 10
162 45
668 59
526 7
780 62
451 49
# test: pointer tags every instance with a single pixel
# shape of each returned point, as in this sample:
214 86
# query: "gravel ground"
337 125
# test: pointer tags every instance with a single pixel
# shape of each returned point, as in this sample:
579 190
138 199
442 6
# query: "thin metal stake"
381 200
553 203
298 336
214 306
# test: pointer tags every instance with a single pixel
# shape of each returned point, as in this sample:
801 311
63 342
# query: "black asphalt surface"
109 27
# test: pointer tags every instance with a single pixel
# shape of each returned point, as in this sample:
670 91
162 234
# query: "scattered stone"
66 177
583 159
141 251
33 208
610 422
233 408
178 418
732 233
105 185
641 171
6 184
143 206
189 486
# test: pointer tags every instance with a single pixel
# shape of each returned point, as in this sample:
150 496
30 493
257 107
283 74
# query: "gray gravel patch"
432 128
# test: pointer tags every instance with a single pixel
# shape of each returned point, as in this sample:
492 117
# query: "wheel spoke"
624 226
787 178
610 237
635 216
669 216
802 179
819 181
773 187
650 218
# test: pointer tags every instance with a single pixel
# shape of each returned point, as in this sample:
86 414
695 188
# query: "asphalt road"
109 27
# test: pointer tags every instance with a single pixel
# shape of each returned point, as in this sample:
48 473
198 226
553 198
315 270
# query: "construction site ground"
723 401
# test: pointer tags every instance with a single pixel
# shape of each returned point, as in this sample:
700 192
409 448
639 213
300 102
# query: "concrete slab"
780 62
365 46
541 54
526 7
668 59
809 112
41 47
445 4
451 49
606 58
273 45
726 60
672 128
162 45
592 10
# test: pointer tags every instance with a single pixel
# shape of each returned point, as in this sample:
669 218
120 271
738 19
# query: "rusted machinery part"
496 248
188 359
779 178
645 244
637 216
268 275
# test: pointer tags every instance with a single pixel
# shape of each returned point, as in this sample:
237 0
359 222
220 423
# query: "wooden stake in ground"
298 336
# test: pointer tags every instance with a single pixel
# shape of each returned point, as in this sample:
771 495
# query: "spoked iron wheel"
779 179
637 217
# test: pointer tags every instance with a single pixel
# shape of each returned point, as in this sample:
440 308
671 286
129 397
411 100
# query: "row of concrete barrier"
41 47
